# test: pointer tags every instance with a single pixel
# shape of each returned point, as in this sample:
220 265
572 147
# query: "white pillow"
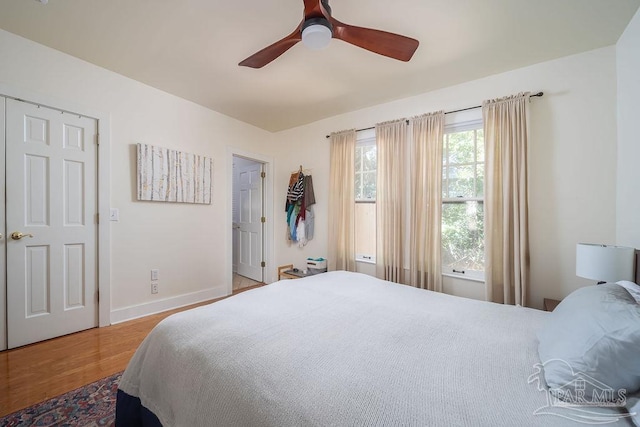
633 289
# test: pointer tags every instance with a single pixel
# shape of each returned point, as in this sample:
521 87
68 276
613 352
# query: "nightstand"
550 304
286 272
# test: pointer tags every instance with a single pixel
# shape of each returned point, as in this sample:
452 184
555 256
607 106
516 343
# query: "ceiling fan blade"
381 42
269 53
312 9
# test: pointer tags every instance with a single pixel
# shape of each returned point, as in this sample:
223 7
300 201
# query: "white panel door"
51 221
3 253
250 224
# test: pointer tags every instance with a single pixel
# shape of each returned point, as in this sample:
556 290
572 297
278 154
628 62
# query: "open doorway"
248 219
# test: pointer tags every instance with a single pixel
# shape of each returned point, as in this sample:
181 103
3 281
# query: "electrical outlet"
154 274
154 287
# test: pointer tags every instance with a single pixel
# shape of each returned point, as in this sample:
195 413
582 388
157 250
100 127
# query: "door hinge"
98 295
263 220
97 218
97 139
263 264
263 174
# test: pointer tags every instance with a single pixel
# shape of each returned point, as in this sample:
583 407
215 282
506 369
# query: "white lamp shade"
604 263
316 36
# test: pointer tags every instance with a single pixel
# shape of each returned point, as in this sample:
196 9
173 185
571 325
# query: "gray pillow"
633 408
632 288
591 345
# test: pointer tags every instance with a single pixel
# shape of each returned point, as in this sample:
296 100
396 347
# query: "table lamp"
604 263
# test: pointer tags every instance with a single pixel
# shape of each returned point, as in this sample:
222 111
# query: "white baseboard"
141 310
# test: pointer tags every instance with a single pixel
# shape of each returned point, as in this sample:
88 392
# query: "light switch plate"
154 274
114 214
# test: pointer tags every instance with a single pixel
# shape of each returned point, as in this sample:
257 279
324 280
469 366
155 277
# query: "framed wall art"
166 175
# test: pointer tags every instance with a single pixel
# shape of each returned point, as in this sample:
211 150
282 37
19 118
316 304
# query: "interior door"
51 208
250 222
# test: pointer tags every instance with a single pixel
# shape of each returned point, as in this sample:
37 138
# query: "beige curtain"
342 250
426 202
391 142
506 199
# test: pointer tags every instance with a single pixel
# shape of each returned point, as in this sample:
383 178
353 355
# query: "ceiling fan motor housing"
317 21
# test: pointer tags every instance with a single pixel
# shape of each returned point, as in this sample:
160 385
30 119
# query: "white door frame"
3 253
104 190
268 243
249 268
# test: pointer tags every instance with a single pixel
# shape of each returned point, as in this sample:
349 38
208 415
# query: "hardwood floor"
37 372
241 282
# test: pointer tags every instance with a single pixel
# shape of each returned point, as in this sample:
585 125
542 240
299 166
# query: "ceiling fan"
318 27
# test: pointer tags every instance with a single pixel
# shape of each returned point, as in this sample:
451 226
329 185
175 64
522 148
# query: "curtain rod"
539 94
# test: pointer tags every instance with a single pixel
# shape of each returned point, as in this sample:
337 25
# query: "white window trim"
468 123
366 138
462 199
365 141
478 276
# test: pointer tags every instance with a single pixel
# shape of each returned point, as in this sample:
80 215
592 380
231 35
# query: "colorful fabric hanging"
300 218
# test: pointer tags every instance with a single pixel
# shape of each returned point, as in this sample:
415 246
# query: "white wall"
628 67
572 158
186 242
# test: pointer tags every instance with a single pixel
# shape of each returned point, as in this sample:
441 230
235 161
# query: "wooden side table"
550 304
286 272
282 272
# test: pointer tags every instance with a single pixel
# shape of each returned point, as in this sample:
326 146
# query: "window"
463 201
365 209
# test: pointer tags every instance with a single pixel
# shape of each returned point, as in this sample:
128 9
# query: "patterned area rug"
89 406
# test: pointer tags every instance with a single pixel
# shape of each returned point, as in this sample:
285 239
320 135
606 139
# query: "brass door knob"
16 235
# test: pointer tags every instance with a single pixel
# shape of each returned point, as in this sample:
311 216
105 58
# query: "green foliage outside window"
463 235
366 164
462 194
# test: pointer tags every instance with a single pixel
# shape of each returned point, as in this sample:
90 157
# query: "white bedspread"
342 349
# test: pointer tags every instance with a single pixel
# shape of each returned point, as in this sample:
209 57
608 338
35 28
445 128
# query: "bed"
341 349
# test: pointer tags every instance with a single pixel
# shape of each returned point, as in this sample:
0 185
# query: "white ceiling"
191 48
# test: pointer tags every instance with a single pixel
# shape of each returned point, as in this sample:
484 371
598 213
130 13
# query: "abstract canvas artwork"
166 175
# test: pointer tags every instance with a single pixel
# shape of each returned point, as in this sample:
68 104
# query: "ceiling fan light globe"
316 37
